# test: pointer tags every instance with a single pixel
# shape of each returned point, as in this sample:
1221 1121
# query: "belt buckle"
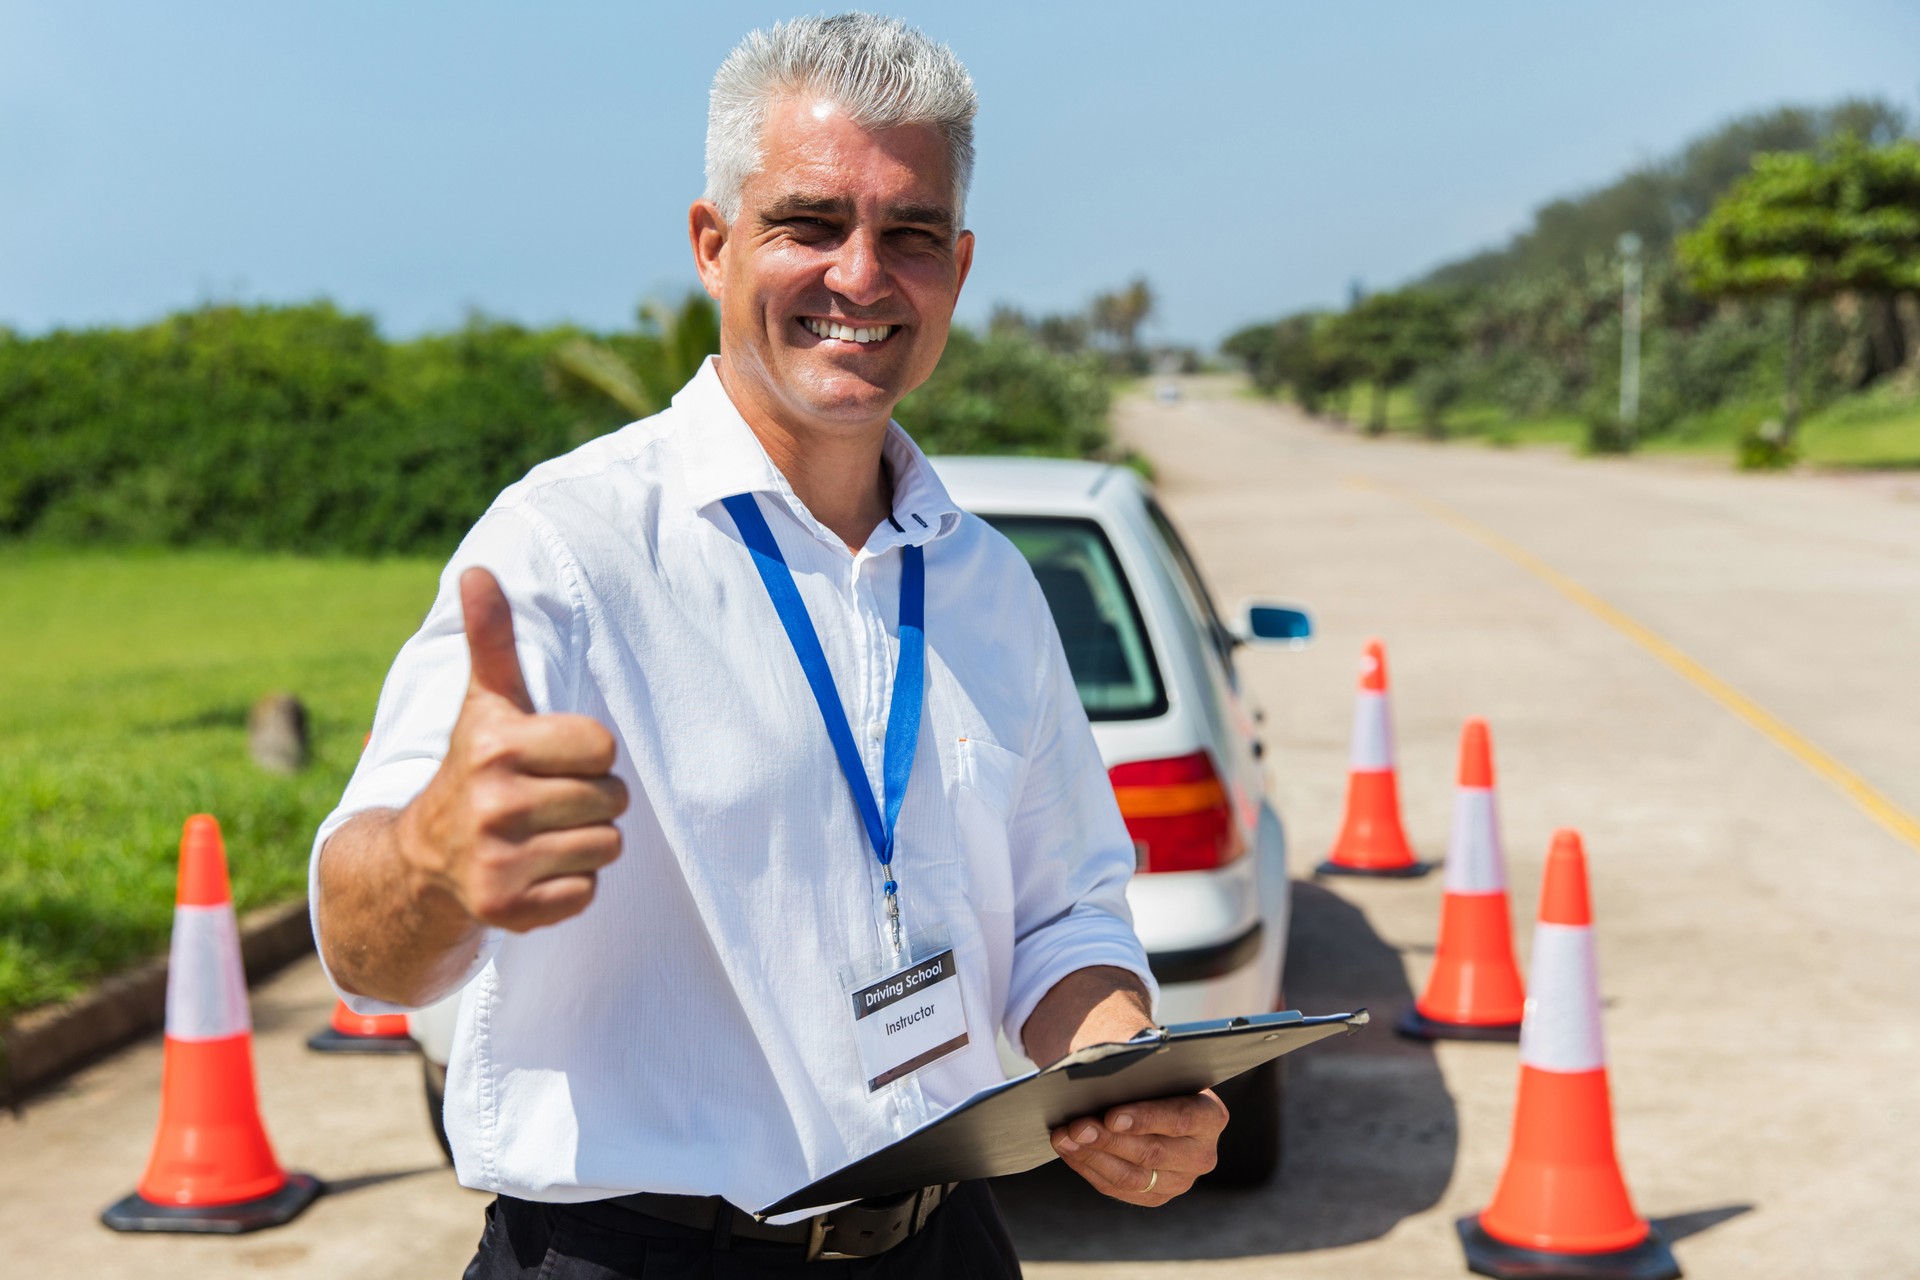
817 1251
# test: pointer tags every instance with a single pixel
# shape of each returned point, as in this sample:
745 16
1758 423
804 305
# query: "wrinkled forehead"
814 156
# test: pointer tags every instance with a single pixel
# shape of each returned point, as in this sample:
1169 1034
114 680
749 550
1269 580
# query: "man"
639 782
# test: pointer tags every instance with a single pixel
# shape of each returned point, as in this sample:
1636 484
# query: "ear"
962 260
707 232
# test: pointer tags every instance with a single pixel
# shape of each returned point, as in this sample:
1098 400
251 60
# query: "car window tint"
1095 612
1217 631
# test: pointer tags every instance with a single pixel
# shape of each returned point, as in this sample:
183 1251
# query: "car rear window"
1095 613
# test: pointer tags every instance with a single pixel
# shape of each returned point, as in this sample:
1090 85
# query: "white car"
1154 665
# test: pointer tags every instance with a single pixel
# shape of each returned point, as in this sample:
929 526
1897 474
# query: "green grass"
1484 423
125 681
1877 428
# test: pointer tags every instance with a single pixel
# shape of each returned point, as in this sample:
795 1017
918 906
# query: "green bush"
1006 394
273 428
300 429
1766 448
1437 389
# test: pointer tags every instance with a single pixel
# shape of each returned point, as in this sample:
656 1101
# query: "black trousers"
526 1240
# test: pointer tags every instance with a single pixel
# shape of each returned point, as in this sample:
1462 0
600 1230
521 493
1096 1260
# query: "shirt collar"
727 458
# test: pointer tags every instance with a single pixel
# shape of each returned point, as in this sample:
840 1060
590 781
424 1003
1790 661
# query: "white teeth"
847 333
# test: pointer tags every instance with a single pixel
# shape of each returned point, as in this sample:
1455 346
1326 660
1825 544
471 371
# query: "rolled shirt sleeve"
423 692
1072 855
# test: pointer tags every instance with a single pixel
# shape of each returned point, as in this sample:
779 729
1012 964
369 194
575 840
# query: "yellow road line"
1902 824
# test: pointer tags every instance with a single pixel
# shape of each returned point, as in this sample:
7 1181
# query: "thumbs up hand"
519 820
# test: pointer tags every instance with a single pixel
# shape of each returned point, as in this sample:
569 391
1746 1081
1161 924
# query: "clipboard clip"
1105 1059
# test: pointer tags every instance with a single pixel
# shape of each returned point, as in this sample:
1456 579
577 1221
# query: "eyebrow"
793 205
930 215
790 206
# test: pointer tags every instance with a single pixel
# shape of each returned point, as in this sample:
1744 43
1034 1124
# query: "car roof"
1028 484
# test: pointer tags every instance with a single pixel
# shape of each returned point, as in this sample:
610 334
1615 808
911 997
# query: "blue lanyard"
909 682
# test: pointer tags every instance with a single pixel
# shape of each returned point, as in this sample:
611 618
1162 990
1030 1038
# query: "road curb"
44 1045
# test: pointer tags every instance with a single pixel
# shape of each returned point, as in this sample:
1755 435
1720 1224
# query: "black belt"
858 1230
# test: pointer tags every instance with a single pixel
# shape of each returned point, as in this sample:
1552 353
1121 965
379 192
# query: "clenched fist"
518 821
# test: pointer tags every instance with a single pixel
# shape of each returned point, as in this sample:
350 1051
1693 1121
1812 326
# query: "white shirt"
689 1031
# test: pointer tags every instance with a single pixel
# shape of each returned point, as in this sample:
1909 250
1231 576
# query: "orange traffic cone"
1561 1208
350 1032
1372 842
1474 992
212 1168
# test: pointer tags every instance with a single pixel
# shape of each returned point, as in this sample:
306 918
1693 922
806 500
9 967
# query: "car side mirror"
1267 625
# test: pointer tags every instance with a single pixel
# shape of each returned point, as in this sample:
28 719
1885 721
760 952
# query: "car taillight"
1177 813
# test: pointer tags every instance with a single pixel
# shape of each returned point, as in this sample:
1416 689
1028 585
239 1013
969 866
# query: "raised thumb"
489 621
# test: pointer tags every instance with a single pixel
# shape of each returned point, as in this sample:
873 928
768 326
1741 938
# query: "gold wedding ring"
1152 1181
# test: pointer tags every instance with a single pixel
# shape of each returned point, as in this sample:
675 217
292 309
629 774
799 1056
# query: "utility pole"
1630 332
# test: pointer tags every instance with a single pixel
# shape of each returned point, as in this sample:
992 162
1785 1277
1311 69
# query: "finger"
1112 1176
1149 1150
1189 1155
549 902
572 850
556 804
542 881
489 624
564 745
1199 1115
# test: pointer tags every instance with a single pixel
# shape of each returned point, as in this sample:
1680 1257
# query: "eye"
806 227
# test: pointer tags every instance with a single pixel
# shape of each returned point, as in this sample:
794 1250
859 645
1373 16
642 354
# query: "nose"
857 272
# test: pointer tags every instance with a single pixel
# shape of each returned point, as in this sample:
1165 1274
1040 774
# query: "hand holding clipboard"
1006 1128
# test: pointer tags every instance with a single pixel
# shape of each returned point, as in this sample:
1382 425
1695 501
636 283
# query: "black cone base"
135 1213
334 1041
1415 1025
1411 872
1648 1260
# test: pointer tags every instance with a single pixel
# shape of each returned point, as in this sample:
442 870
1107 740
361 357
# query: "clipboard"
1005 1128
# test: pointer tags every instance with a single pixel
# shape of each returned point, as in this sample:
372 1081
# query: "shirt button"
876 730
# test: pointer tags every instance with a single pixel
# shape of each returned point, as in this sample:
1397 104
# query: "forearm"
1088 1006
385 931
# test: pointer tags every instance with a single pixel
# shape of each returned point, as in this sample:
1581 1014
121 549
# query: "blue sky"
415 159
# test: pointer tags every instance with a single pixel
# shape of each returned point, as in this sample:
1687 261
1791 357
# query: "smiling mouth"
865 335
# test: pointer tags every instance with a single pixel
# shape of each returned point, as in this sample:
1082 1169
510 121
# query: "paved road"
1739 890
1739 893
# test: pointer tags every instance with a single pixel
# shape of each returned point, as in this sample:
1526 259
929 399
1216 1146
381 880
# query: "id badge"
909 1016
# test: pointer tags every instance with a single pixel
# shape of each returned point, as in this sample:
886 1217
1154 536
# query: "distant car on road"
1153 661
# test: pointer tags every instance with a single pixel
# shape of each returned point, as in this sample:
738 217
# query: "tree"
1806 226
1062 335
1297 358
640 372
1660 200
1120 315
1251 346
1386 338
1005 393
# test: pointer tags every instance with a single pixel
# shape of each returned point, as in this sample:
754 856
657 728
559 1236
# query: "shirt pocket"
990 778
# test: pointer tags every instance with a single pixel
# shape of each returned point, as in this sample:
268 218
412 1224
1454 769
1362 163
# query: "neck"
838 474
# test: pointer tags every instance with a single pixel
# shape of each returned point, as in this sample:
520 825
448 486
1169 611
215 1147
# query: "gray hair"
880 71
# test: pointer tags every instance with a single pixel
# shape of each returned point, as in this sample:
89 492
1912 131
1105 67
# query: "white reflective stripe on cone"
206 987
1372 733
1561 1029
1475 863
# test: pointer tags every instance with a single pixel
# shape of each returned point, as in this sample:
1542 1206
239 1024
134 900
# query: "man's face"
837 280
